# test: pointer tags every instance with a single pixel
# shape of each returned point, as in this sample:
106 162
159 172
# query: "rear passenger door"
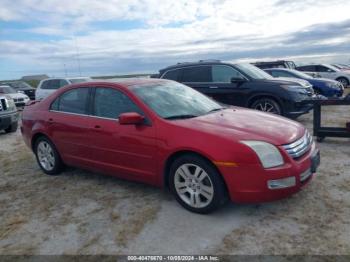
69 124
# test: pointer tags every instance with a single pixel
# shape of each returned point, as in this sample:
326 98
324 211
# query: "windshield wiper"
180 117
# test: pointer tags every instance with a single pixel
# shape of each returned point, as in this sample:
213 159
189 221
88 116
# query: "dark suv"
242 85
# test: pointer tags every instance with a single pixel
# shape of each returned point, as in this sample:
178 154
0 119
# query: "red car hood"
246 124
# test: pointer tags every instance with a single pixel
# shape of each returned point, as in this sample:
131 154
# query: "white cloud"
202 27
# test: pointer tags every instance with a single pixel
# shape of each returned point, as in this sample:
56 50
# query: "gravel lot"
81 212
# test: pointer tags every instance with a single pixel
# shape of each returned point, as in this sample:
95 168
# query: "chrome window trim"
76 114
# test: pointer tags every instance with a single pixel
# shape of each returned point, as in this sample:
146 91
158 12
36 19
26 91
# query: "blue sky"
141 36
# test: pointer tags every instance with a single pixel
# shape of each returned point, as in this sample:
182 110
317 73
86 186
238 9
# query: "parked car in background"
321 86
19 98
242 85
342 67
47 86
327 71
275 64
169 135
23 87
8 114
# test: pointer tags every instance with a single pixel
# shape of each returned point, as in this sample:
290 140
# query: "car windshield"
19 85
253 71
7 90
171 100
79 80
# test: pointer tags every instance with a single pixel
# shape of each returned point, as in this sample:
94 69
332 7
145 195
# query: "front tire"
267 105
47 156
12 128
343 81
196 184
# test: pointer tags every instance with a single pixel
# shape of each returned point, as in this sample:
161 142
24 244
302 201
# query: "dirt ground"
85 213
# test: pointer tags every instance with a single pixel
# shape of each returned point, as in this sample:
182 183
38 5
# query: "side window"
45 84
63 82
196 74
224 74
51 84
172 75
110 103
55 104
281 74
310 68
73 101
323 69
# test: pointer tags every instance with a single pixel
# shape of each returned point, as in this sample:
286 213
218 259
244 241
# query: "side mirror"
131 118
238 80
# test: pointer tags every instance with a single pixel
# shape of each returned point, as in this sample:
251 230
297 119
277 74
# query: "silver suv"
8 114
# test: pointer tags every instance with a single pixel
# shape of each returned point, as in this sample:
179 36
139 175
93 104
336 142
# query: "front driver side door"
225 91
123 150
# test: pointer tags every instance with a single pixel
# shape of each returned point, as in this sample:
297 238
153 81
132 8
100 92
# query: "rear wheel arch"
36 137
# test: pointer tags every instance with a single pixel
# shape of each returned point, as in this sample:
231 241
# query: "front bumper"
299 109
250 184
7 120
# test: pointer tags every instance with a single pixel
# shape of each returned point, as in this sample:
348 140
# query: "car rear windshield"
253 71
78 80
171 100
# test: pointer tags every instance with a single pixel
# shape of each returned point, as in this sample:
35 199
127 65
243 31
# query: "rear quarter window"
172 75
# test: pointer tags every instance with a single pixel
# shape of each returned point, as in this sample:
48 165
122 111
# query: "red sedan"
166 134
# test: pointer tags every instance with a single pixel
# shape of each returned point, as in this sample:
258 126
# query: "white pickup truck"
8 114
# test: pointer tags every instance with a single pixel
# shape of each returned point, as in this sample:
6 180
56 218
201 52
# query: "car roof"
200 62
65 78
125 82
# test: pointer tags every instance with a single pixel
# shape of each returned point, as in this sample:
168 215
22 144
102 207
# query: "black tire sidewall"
269 100
216 179
58 162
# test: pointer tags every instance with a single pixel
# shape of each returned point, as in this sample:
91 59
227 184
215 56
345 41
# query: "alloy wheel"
46 155
266 107
193 185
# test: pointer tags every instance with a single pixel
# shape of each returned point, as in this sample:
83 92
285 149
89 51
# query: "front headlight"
297 89
268 154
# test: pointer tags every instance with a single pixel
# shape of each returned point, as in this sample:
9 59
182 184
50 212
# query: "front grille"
299 147
3 104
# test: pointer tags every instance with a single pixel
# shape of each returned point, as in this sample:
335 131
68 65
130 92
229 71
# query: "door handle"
50 121
213 87
97 127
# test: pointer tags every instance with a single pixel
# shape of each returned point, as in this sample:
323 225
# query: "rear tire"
196 184
12 128
267 105
47 156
